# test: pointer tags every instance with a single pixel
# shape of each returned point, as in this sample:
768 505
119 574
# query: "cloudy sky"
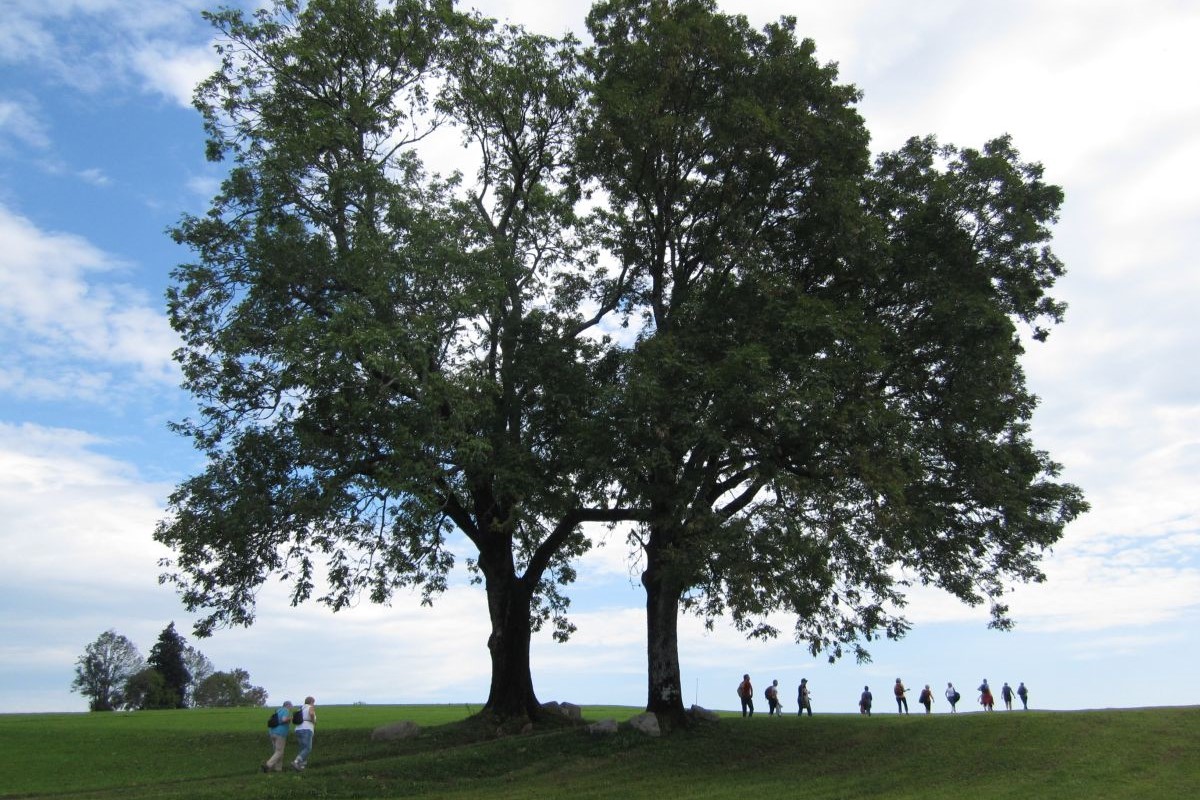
100 152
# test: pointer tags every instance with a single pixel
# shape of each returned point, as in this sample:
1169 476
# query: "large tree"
147 690
384 360
103 670
229 690
824 402
167 658
199 667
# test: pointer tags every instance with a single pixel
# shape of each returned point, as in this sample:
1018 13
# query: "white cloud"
174 70
56 308
60 497
96 45
21 122
95 177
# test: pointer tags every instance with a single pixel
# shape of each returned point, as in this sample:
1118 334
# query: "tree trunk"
665 690
511 697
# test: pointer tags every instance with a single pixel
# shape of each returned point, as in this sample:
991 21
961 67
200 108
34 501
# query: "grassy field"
1145 753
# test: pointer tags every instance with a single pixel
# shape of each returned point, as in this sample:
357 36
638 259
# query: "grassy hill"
1144 753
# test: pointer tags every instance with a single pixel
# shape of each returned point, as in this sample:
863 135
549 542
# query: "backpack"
298 716
957 696
273 721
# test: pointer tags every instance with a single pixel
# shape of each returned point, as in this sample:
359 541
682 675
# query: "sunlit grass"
1149 753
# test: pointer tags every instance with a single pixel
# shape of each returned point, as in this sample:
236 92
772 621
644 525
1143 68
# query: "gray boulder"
603 726
647 723
704 714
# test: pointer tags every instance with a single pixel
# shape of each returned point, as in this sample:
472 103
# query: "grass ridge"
215 753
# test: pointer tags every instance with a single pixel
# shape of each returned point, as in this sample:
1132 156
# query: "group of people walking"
986 699
745 693
304 720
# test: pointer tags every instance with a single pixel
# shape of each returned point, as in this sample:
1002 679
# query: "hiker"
773 705
864 702
305 727
1023 693
926 698
803 698
952 696
746 693
901 700
279 734
985 696
1006 693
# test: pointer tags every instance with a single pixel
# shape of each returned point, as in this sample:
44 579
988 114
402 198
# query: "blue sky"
100 152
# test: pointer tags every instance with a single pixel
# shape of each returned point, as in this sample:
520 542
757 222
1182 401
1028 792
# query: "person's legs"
304 737
275 762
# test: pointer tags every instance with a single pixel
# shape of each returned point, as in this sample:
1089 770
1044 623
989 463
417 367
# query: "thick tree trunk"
511 696
665 690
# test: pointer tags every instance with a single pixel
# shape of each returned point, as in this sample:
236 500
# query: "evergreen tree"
167 659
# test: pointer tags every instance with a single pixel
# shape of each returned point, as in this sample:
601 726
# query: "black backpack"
298 716
273 721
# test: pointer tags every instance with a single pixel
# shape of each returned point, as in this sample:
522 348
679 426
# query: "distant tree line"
113 675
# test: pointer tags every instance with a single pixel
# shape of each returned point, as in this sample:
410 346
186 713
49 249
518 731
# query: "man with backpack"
746 693
901 700
277 729
306 725
772 695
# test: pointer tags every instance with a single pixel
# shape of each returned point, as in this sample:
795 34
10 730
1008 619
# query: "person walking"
745 693
804 698
901 700
864 701
926 698
1006 694
772 695
1023 693
305 729
985 696
278 734
952 697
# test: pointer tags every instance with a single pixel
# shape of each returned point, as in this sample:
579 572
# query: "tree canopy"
105 667
229 690
384 358
825 402
819 402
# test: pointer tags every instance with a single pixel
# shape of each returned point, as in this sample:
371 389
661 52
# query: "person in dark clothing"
864 702
1023 693
926 698
746 693
901 700
803 698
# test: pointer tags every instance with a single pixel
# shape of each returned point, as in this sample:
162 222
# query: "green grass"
1144 753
